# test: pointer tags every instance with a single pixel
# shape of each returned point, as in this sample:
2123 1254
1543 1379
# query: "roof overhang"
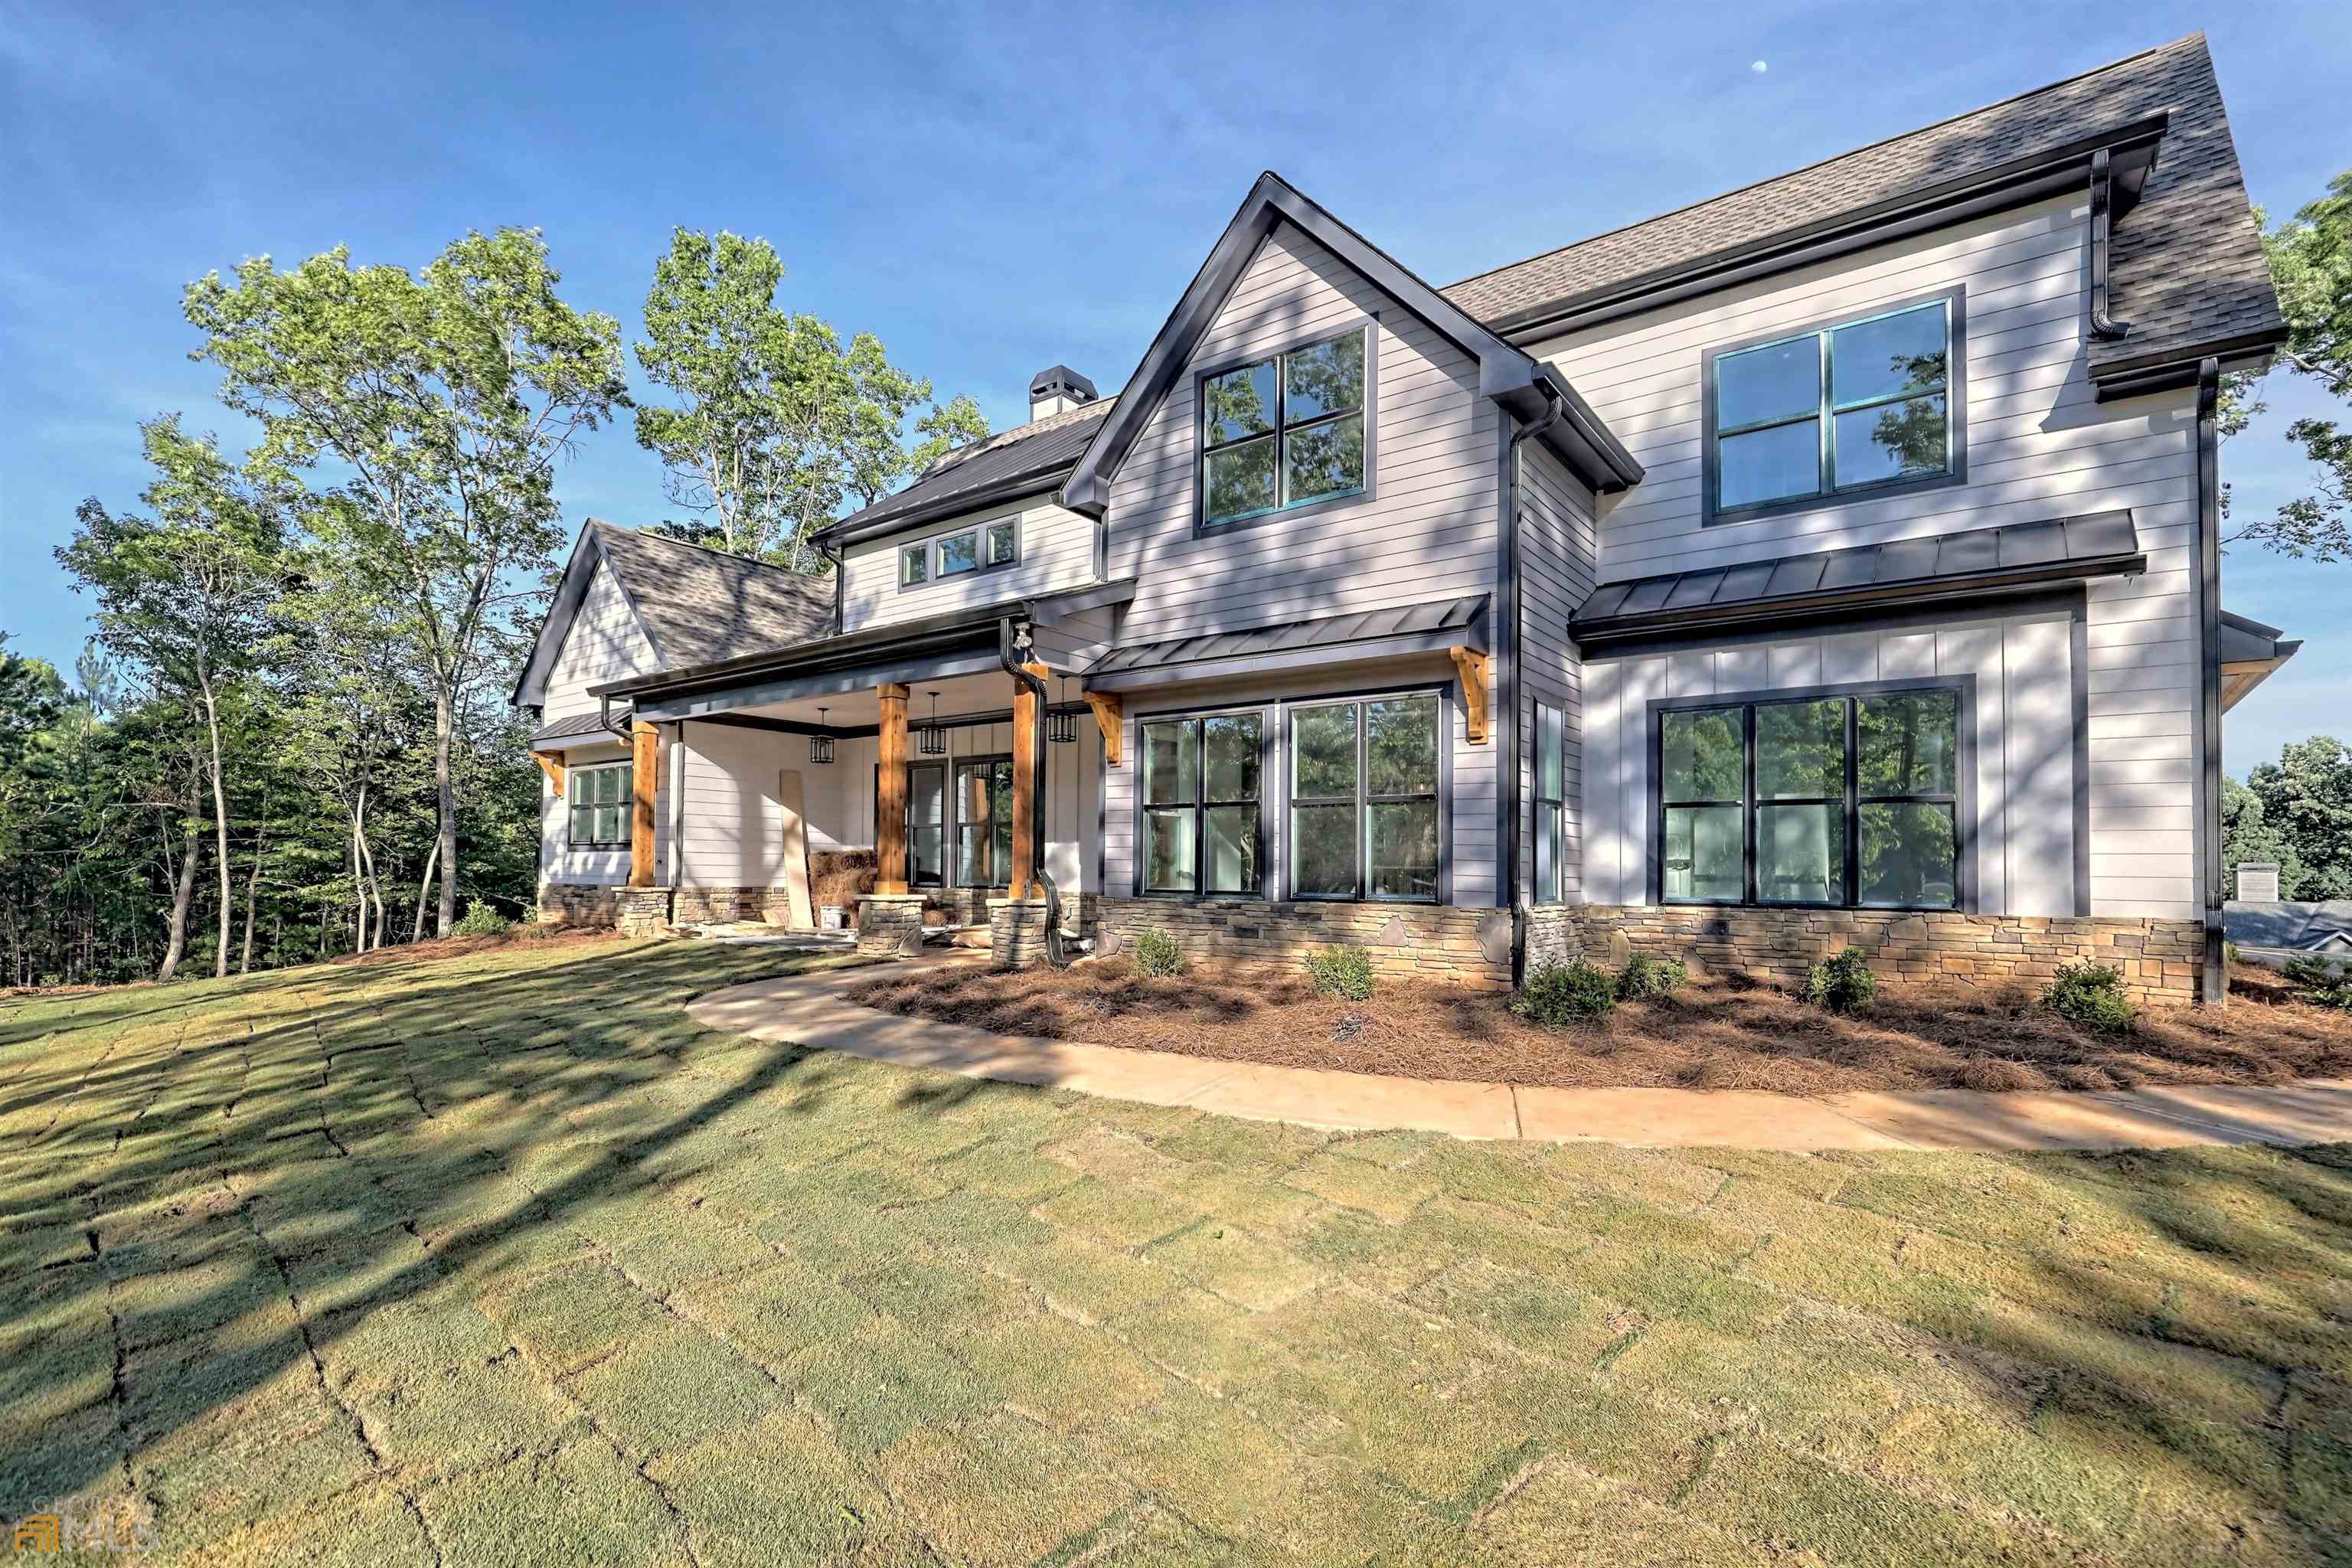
854 529
959 642
2250 654
1401 631
1505 373
2131 146
1823 586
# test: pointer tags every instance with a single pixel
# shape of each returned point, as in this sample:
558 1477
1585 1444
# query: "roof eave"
2132 146
858 528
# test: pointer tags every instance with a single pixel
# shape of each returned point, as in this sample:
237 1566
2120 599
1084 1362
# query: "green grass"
503 1259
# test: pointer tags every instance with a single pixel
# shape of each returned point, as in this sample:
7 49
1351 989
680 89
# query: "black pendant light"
934 739
1062 728
820 745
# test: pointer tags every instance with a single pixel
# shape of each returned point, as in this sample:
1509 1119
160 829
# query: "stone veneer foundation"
2159 959
1467 946
890 922
1016 932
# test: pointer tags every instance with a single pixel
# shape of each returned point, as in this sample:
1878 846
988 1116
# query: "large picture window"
1843 800
1364 798
600 806
983 795
1551 808
1202 832
1859 405
1284 431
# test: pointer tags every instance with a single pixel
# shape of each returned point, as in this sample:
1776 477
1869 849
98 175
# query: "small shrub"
2320 982
1157 952
1645 978
538 931
1343 972
1843 983
482 919
1561 994
2090 994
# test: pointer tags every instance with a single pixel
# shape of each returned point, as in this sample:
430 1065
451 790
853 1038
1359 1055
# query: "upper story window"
983 547
600 806
1860 405
1285 431
1840 801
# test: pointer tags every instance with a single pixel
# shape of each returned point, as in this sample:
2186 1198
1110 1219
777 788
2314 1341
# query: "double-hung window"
1284 431
1841 801
600 806
1202 831
1855 406
1551 811
984 821
1364 819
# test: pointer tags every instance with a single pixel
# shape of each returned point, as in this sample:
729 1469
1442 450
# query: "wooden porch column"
1025 719
890 802
645 780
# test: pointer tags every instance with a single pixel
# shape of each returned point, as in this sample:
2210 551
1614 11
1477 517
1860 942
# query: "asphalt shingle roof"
2186 268
1047 447
699 605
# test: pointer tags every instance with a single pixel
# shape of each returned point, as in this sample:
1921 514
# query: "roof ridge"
1014 434
2197 37
634 532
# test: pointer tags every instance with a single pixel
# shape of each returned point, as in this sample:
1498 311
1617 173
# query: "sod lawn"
500 1257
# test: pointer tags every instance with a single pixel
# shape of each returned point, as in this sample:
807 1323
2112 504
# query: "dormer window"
1286 431
1865 405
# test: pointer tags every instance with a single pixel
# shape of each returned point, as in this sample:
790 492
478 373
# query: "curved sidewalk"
811 1009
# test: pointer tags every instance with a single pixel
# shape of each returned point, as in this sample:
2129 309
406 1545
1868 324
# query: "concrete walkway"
810 1009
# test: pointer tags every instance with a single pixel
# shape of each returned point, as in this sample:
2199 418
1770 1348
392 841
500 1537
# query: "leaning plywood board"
795 862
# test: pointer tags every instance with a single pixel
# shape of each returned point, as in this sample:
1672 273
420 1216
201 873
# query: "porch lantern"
1061 727
934 742
820 745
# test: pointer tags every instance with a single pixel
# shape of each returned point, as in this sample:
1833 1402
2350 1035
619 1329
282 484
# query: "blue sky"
990 191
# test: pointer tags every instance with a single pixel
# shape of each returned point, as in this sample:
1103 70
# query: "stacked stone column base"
890 923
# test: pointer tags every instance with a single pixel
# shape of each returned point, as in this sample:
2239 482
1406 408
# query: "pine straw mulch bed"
1721 1032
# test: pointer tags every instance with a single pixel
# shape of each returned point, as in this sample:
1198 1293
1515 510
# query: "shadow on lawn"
201 1183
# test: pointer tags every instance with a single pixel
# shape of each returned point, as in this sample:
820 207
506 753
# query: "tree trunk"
253 885
359 888
220 828
424 890
182 894
370 887
445 724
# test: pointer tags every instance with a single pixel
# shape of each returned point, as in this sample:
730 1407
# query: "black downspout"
840 585
1509 671
2216 987
1009 655
2103 208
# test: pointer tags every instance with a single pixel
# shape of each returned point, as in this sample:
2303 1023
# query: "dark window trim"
1955 398
1556 803
946 820
1197 448
956 823
1443 891
930 547
1268 717
1964 798
572 804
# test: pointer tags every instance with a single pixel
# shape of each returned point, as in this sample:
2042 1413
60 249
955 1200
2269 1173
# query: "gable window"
1364 799
600 806
1551 776
1860 406
959 552
1202 828
914 565
1003 543
983 547
1839 801
1285 431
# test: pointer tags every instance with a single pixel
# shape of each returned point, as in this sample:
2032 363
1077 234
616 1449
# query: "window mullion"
1827 414
1853 868
1747 813
1363 808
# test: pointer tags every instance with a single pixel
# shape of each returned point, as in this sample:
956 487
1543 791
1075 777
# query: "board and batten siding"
1426 528
733 815
2039 447
1057 553
604 643
1557 553
2024 817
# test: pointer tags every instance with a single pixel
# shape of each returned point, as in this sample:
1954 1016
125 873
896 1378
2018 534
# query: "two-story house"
1834 561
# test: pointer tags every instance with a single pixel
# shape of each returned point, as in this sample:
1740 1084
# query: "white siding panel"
1057 551
604 644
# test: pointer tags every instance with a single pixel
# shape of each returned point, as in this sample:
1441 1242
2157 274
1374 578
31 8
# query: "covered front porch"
926 781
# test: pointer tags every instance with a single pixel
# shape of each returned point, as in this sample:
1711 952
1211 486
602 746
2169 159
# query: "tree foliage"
2311 267
2296 811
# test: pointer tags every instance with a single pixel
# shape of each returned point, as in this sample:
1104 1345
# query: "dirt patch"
1718 1033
